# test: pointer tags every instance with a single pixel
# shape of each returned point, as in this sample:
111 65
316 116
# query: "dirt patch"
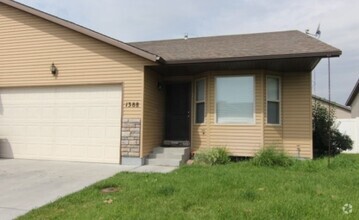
110 190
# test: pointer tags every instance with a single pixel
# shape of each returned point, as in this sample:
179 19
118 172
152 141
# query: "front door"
178 111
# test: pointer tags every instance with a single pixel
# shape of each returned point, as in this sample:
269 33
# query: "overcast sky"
142 20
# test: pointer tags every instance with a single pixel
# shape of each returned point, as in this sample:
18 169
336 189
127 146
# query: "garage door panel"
79 112
97 112
96 152
62 132
113 113
62 113
33 140
19 131
74 123
61 150
20 149
45 151
111 153
34 112
97 132
79 151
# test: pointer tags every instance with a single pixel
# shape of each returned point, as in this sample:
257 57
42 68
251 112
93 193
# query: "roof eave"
265 57
82 30
345 108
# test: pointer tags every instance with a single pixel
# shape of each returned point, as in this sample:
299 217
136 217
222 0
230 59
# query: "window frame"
201 101
279 101
254 123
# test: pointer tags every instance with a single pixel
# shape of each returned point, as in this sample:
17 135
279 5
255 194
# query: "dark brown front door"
178 111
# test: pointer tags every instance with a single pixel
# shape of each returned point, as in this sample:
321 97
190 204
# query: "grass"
306 190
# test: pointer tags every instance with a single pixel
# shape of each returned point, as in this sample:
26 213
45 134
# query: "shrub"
272 157
212 156
323 125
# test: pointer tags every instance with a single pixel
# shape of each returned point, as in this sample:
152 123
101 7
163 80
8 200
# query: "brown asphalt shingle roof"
285 44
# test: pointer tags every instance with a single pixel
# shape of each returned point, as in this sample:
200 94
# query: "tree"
323 125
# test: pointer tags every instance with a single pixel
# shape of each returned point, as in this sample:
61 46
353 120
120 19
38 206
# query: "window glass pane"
235 99
273 89
273 112
200 113
200 90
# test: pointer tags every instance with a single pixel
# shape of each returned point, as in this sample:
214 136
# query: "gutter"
265 57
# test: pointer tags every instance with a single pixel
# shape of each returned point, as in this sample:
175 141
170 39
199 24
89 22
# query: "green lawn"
307 190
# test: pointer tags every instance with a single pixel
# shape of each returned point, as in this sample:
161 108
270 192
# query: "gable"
19 25
29 45
27 39
353 95
81 29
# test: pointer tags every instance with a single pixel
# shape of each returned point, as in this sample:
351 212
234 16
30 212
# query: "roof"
245 47
272 45
353 94
331 102
82 30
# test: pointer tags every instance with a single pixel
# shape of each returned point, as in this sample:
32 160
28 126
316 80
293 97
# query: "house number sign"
132 104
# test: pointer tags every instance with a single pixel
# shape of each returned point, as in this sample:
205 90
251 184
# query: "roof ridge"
212 36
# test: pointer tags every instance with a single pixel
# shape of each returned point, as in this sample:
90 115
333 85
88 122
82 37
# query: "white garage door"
70 123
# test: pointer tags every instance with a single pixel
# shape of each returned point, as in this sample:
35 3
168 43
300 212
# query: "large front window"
235 100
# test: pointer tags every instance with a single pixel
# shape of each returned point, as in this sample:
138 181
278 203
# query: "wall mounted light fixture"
53 69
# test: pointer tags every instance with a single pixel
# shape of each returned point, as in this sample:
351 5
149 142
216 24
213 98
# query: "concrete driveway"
27 184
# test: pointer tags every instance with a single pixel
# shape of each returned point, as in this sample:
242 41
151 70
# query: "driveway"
27 184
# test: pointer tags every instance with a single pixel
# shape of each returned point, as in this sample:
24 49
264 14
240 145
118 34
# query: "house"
353 100
340 111
69 93
351 126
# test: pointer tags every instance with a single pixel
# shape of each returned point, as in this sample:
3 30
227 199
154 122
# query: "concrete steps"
168 156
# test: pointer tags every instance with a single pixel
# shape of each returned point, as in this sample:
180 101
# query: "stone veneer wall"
130 137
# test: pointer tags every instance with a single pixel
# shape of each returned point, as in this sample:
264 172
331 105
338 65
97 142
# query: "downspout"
329 110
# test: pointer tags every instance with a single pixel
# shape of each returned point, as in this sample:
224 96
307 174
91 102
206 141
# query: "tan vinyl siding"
199 136
153 113
246 140
296 115
273 134
355 107
29 45
241 140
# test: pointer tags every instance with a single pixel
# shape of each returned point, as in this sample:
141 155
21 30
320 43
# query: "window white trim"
254 100
277 101
200 101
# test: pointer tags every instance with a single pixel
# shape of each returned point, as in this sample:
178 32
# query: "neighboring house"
340 111
351 126
353 100
69 93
